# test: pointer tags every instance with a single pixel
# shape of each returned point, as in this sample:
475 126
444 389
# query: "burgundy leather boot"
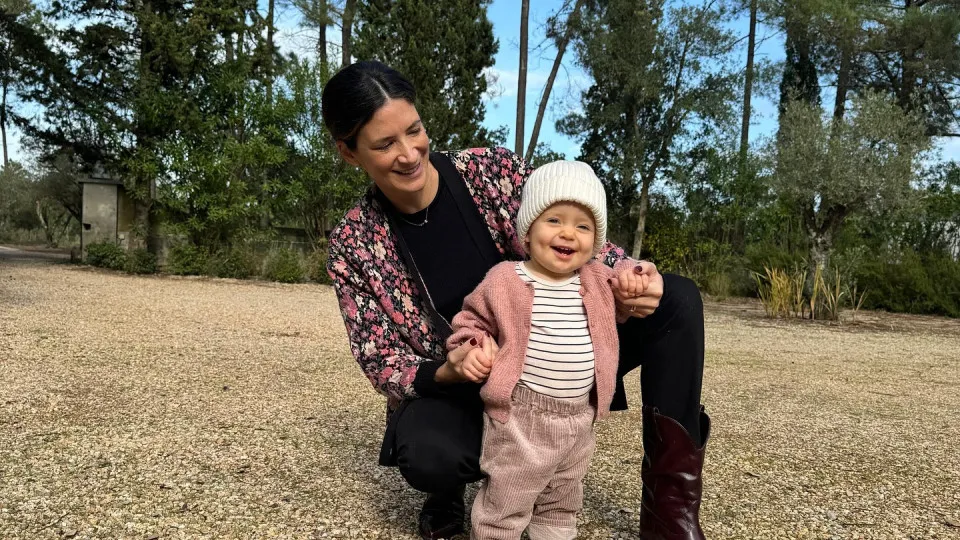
672 485
442 515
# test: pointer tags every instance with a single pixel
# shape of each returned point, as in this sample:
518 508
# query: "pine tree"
443 47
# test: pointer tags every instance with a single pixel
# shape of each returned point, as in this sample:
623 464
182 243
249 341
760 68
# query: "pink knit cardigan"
501 306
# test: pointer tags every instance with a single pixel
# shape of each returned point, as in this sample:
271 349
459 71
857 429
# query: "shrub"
187 260
910 283
235 262
283 265
781 293
106 255
141 261
317 267
719 285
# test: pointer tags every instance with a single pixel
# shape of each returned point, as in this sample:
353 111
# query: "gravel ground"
160 407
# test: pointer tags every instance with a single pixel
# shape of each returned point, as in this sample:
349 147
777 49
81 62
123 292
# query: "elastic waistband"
565 406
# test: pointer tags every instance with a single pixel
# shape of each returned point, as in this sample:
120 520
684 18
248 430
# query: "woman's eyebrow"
388 137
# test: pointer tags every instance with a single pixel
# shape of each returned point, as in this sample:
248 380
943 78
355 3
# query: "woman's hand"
639 303
471 361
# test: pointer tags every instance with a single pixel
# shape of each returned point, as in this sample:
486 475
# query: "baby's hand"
477 363
631 283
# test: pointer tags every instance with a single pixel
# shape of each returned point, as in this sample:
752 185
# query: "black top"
444 251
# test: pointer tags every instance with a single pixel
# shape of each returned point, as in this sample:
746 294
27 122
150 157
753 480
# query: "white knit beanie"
572 181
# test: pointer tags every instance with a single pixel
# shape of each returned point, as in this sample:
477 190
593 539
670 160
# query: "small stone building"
106 213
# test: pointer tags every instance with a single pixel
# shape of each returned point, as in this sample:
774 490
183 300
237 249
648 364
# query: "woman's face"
393 149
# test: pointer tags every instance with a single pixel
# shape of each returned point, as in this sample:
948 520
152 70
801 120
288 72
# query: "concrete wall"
99 214
124 218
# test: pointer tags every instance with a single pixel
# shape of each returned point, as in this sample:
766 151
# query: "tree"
346 29
16 199
561 35
25 59
321 189
748 87
315 14
522 78
800 80
121 92
443 47
830 170
656 74
912 53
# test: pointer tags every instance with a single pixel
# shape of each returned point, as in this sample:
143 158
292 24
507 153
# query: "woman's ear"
348 155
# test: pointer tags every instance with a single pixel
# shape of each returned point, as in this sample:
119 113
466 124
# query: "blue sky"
571 80
502 110
501 102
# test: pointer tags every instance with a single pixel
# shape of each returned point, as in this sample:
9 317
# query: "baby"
555 321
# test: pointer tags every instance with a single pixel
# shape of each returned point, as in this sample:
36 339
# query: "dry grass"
139 407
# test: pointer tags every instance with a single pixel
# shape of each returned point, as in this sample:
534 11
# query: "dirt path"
139 407
15 254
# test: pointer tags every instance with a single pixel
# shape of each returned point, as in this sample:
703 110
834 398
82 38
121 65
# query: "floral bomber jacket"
387 320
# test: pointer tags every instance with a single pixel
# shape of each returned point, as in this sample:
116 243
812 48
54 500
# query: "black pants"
438 440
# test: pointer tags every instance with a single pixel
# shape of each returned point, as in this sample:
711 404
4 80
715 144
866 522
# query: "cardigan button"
583 292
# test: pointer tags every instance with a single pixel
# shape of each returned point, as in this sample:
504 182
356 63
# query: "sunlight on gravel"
162 407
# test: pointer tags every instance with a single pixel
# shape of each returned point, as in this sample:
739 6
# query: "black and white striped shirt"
559 360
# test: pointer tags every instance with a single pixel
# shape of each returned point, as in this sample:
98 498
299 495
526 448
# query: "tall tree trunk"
800 80
265 217
322 38
3 123
349 10
748 89
522 79
48 225
908 72
270 50
843 82
642 216
561 48
144 227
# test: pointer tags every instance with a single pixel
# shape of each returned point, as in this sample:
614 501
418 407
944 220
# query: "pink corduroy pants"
535 464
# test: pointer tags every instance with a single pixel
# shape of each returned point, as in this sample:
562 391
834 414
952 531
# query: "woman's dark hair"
354 95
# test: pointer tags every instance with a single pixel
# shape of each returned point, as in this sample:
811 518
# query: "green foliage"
853 165
236 262
913 56
317 267
141 261
719 285
831 170
543 154
16 199
912 283
657 75
187 260
412 36
320 188
106 255
800 82
284 265
666 242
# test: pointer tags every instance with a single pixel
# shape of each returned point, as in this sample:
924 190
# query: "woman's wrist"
445 374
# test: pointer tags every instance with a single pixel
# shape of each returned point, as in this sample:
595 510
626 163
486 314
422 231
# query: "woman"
417 243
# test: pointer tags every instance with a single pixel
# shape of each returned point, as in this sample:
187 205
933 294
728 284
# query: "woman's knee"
682 298
432 469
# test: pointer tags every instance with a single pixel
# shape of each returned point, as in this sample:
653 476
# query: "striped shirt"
559 360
